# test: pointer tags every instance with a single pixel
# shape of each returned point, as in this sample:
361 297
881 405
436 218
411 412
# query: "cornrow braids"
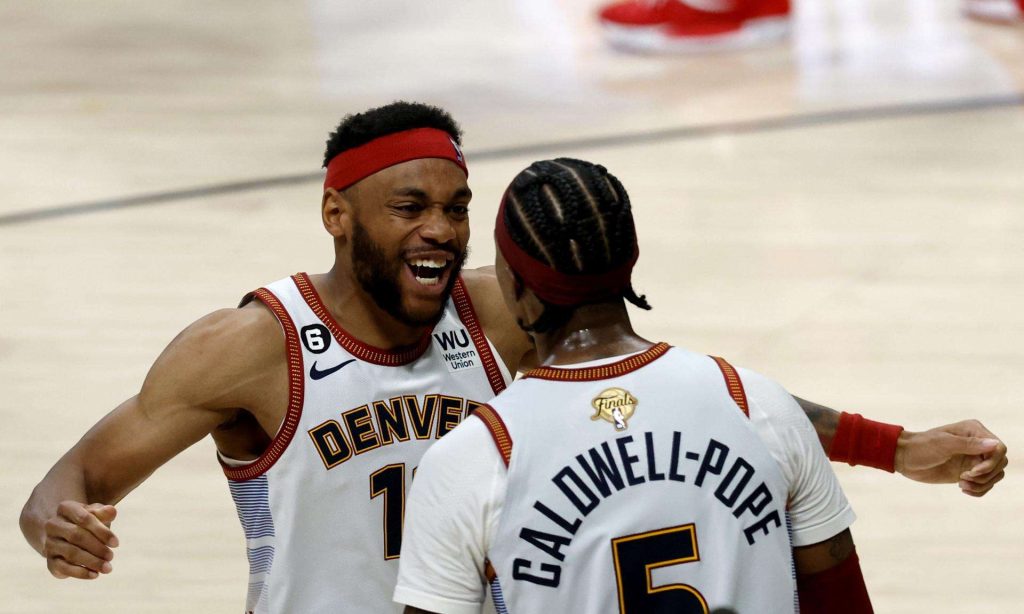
361 128
575 217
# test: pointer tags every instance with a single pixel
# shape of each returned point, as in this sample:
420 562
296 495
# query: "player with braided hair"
554 212
623 474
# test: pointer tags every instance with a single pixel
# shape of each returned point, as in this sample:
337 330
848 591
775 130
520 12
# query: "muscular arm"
198 382
964 453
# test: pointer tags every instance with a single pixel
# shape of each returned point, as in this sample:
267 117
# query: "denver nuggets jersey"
322 508
653 492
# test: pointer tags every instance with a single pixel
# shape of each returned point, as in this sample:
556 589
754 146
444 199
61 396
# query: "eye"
408 208
459 210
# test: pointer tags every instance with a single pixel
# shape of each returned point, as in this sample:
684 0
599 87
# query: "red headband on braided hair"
555 287
358 163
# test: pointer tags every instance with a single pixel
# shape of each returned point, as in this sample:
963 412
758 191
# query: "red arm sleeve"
839 590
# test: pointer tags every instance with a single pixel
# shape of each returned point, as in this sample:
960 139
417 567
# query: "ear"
336 213
528 305
517 285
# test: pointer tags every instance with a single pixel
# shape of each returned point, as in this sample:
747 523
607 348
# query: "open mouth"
428 271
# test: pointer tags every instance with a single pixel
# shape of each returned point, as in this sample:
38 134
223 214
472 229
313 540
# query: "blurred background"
842 210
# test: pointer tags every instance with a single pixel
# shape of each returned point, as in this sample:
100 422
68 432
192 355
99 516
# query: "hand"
78 540
966 453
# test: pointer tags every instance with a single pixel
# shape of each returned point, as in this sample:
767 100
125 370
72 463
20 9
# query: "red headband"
554 286
358 163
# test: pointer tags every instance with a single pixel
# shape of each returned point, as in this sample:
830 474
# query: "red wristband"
859 441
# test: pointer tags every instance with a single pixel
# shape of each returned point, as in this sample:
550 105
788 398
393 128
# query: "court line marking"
770 124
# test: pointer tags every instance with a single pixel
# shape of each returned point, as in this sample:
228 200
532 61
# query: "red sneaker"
998 11
674 26
635 13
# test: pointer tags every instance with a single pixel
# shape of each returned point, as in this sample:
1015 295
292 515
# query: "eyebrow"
418 193
414 192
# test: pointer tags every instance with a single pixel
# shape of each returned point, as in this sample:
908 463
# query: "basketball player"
323 391
624 475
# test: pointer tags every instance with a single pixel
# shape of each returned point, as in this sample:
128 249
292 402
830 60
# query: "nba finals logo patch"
614 405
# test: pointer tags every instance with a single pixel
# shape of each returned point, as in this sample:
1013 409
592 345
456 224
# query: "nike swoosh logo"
315 373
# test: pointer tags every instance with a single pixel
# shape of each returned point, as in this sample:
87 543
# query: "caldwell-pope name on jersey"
601 472
382 423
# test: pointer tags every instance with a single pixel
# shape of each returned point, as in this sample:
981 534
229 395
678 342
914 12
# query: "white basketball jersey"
322 508
638 487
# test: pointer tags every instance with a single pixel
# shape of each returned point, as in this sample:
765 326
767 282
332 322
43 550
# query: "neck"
359 315
593 332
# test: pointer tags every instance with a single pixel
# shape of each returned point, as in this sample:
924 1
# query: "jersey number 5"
636 556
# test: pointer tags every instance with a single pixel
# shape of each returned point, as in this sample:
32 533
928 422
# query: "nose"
437 227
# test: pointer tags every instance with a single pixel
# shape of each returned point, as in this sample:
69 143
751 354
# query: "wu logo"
450 340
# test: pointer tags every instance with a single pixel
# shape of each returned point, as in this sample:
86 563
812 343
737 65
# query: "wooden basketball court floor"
843 212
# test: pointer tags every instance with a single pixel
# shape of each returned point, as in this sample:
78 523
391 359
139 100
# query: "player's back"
638 486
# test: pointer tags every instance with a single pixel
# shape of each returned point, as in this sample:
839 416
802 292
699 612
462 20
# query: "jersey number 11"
389 481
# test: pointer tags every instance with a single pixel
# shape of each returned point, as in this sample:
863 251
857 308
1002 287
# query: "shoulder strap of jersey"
734 384
296 392
499 432
464 307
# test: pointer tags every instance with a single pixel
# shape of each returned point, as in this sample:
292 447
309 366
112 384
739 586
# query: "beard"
379 277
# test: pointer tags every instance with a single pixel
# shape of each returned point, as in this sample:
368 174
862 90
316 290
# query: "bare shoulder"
482 285
498 324
482 280
219 360
229 328
241 337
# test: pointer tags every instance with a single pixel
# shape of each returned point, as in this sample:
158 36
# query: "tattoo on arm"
824 419
840 547
825 555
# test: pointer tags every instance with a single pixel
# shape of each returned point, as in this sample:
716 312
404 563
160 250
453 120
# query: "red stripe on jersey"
362 351
734 384
498 431
464 307
590 374
296 392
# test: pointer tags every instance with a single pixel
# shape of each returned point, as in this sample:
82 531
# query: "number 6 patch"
316 338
